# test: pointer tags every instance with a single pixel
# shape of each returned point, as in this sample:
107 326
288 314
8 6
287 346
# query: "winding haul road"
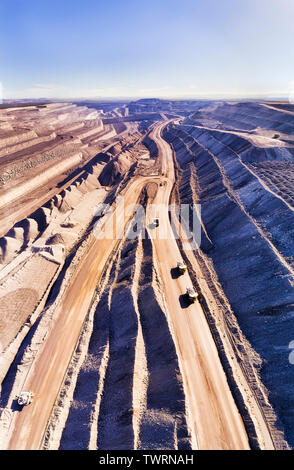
214 418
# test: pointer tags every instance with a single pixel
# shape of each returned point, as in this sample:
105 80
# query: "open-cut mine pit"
101 329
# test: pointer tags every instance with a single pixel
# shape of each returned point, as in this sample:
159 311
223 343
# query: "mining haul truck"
181 267
25 398
191 294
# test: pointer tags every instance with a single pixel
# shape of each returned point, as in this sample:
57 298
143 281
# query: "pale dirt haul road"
214 416
215 420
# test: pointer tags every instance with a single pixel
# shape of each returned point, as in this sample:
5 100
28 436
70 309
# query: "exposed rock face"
37 155
151 145
49 192
55 239
41 137
245 190
244 117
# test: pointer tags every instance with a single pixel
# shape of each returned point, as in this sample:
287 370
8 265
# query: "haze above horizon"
168 49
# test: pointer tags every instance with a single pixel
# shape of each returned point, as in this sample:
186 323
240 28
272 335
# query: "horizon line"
168 98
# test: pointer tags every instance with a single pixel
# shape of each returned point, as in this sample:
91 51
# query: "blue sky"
136 48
